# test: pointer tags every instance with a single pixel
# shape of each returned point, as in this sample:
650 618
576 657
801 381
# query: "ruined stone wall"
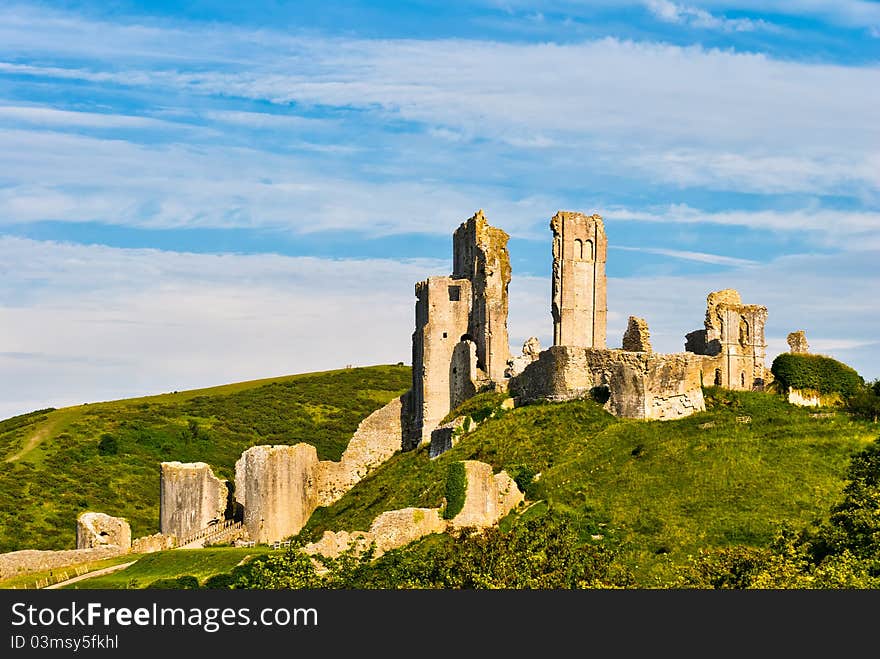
190 498
443 310
277 486
98 529
479 254
797 343
580 305
637 338
734 337
488 498
28 561
153 543
376 439
638 385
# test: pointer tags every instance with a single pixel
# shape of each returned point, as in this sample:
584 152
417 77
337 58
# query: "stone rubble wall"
28 561
153 543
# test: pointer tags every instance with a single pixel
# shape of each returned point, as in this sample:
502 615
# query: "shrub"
108 445
456 485
816 372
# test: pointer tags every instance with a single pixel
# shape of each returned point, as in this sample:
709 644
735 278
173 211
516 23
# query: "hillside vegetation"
656 492
55 464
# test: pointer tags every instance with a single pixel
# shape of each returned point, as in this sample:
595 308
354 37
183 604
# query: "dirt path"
89 575
40 434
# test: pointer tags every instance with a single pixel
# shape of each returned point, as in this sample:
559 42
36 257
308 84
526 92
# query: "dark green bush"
456 485
108 445
816 372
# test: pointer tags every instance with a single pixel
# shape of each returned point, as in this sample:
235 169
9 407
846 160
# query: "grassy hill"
657 491
55 464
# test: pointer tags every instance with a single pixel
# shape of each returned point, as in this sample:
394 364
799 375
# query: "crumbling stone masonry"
190 498
530 351
487 498
479 255
636 385
277 488
637 338
100 530
580 298
732 342
797 343
470 307
442 320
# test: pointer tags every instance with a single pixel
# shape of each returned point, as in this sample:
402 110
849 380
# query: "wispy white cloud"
854 229
672 12
700 257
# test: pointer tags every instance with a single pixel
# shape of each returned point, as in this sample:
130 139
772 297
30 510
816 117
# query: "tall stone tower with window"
580 298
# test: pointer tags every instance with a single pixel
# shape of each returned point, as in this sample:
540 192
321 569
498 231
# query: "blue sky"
194 193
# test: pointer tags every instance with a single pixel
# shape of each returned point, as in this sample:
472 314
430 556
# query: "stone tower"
479 254
734 337
580 301
460 342
443 307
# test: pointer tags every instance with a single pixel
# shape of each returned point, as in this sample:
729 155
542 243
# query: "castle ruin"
461 341
732 342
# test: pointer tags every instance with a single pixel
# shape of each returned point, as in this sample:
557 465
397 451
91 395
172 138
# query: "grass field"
105 457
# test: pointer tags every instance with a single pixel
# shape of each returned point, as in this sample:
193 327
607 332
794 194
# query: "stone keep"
277 487
479 254
99 530
733 340
190 498
580 306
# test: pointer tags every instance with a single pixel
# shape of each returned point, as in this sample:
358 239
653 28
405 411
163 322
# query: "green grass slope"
199 563
658 491
55 464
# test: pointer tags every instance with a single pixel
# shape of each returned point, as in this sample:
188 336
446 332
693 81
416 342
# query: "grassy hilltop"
105 457
655 492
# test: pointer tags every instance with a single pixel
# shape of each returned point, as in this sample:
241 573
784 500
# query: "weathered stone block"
190 498
98 530
488 497
277 486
